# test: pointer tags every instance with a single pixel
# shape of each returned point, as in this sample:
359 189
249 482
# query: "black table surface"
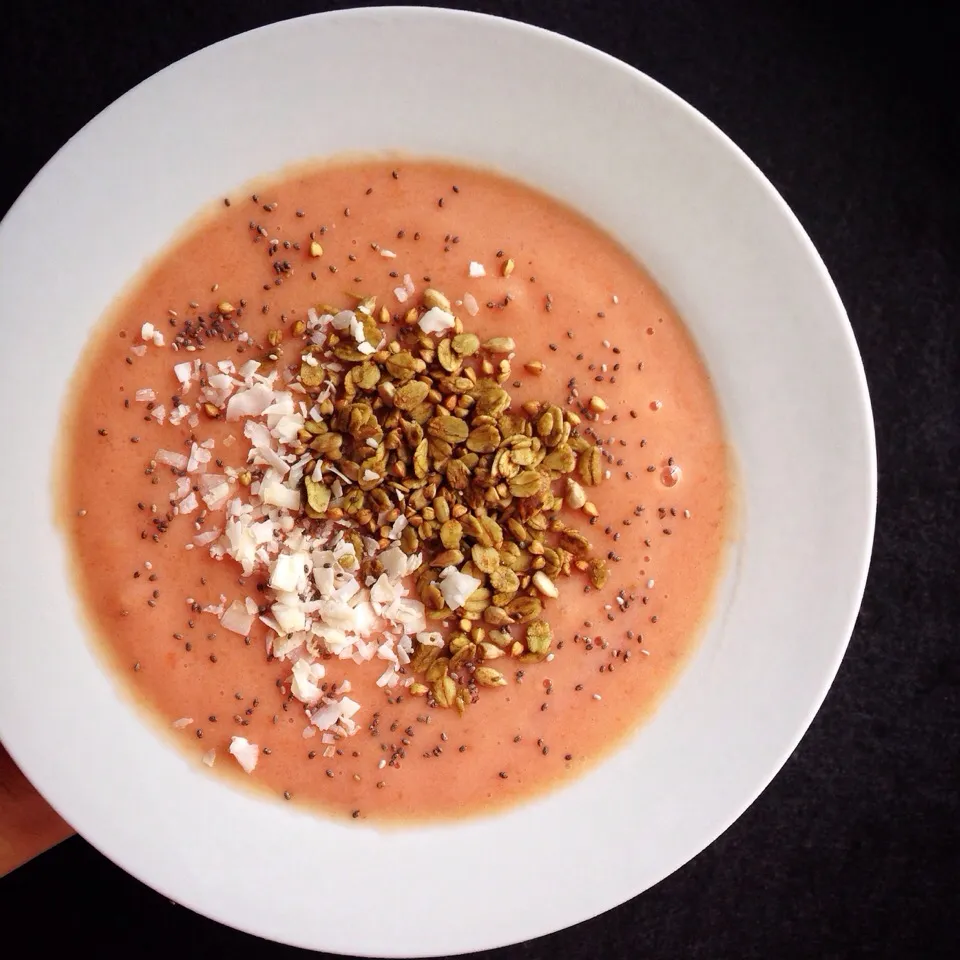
851 110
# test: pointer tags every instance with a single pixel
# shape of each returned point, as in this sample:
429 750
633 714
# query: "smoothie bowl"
426 480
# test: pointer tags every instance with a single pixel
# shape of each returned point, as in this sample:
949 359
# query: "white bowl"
768 321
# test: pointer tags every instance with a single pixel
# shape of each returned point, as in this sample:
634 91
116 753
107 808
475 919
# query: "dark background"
852 111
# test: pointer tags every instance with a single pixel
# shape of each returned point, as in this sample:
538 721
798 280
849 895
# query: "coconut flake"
333 640
171 459
216 609
258 434
410 614
217 496
394 562
246 753
282 647
249 403
198 456
290 618
343 319
287 428
145 395
476 269
208 536
263 532
183 371
237 619
248 369
304 686
384 592
436 320
388 678
327 716
275 493
456 587
178 413
431 638
288 572
281 406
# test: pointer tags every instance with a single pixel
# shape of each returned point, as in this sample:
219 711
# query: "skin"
28 824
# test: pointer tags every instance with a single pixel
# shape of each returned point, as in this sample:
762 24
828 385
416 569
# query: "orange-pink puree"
607 325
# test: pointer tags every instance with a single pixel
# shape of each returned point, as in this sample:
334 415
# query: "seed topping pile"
377 458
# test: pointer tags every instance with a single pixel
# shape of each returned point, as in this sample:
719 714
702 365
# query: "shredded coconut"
436 320
456 587
246 753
